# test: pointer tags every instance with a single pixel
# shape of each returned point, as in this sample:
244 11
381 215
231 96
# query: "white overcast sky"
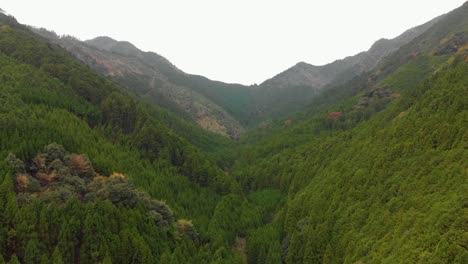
243 41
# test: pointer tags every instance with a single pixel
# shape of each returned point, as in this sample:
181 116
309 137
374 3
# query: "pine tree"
32 252
165 258
274 254
57 257
94 244
296 249
67 238
44 259
7 194
328 255
262 254
107 259
177 256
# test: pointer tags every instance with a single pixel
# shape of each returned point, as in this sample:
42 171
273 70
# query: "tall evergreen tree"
32 253
57 257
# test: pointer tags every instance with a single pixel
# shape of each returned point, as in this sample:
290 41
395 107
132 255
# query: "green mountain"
155 79
378 173
226 109
292 90
373 170
64 206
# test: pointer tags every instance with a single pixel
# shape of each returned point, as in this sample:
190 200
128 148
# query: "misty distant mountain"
153 77
292 90
224 108
372 170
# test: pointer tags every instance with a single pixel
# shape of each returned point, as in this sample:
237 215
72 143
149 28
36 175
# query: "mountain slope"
63 206
152 77
219 107
389 190
396 211
293 89
374 171
376 175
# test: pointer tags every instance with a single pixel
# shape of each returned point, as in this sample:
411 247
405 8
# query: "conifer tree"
165 258
57 257
44 259
107 259
94 244
274 254
32 253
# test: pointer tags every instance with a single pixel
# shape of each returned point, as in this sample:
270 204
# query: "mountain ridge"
150 76
226 109
307 80
374 171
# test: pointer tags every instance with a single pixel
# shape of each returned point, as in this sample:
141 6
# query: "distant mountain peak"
302 64
109 44
379 42
103 38
101 41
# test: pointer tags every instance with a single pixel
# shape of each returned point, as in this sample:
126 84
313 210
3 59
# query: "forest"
373 171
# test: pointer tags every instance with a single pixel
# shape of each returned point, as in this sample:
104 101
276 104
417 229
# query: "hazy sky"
243 41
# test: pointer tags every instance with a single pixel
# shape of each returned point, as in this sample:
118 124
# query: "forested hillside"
374 170
377 172
153 78
292 90
226 109
47 97
389 189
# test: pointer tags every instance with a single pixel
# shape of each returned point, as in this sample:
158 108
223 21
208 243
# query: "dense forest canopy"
373 171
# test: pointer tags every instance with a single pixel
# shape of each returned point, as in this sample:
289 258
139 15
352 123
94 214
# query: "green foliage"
235 98
388 188
382 180
119 112
57 257
14 260
46 96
